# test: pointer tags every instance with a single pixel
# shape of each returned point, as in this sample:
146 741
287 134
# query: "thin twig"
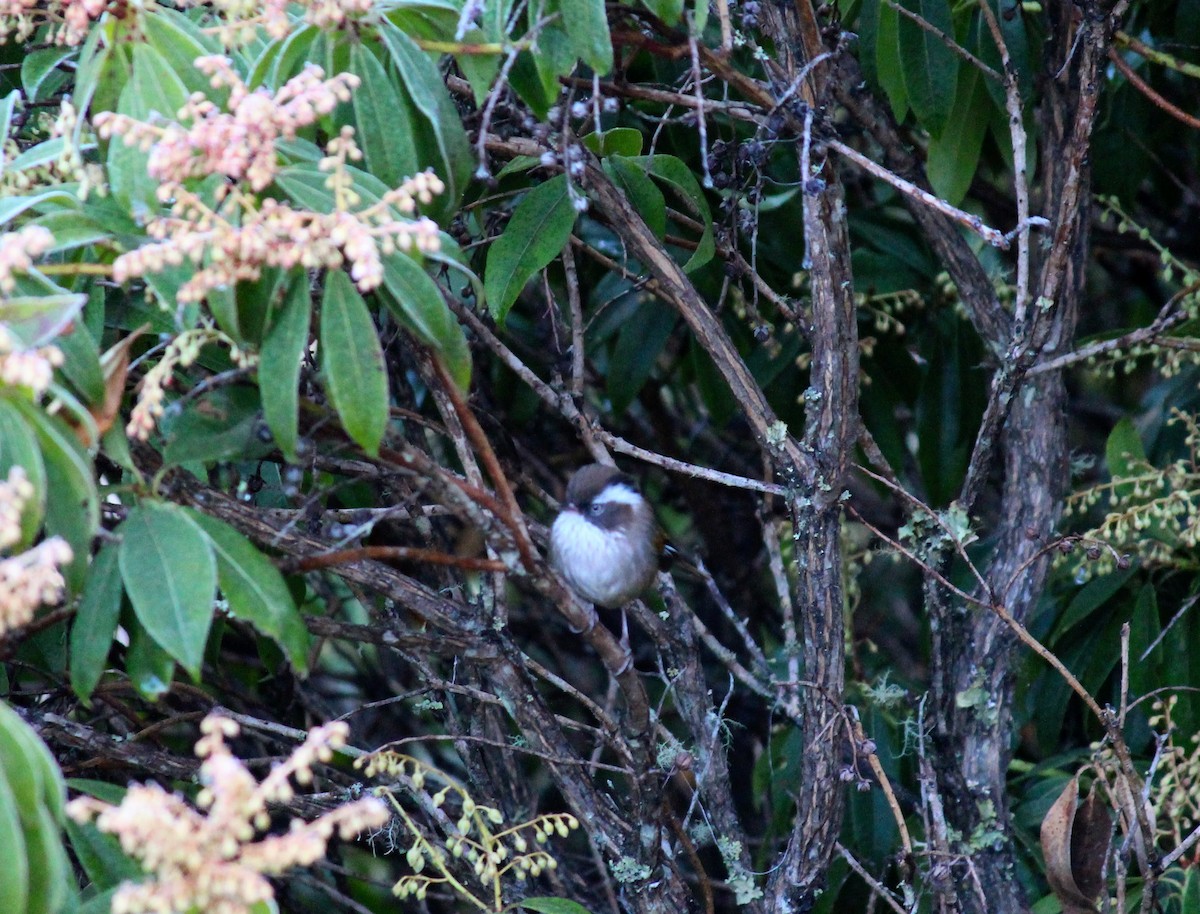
1147 90
970 221
395 554
1016 129
875 885
945 39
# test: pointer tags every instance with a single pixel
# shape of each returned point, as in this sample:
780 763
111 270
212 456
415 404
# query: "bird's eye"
596 508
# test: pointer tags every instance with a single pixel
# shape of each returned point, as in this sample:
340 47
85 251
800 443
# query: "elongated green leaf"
51 790
150 668
888 66
100 856
292 55
8 107
153 87
385 126
954 156
19 447
256 590
72 503
180 41
95 622
81 363
930 67
170 575
72 230
414 298
553 906
12 207
36 319
19 766
352 362
38 65
48 867
642 193
279 366
540 226
427 90
675 173
639 343
587 26
14 874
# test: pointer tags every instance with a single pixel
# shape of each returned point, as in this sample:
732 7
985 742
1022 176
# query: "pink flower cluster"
235 242
212 862
32 370
31 578
18 250
72 18
239 143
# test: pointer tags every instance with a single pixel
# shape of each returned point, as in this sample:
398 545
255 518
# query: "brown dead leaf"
1090 837
1069 842
115 364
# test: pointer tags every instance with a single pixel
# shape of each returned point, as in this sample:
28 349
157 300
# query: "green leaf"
222 302
540 226
180 41
150 668
81 363
642 193
954 156
19 447
14 874
622 141
669 11
427 90
72 230
1091 597
95 622
11 207
38 65
292 55
37 319
680 177
416 301
8 107
888 61
153 87
101 856
639 343
72 504
220 425
553 906
48 867
352 362
279 366
1123 451
19 766
256 590
586 24
386 131
52 792
170 575
930 68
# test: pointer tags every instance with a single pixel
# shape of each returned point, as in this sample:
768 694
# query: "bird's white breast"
598 564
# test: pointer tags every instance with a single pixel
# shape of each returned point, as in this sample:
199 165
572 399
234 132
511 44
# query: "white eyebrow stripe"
618 493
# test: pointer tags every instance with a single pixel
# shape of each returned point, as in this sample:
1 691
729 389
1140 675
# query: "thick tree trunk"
973 647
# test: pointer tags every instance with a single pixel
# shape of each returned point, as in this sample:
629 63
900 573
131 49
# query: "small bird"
606 541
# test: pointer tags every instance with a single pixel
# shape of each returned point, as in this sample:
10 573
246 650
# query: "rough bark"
974 649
